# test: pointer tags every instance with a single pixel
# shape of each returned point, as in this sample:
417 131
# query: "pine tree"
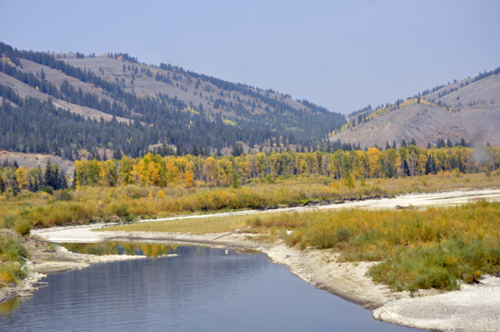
118 155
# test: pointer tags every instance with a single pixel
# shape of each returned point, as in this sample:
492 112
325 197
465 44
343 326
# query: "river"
201 289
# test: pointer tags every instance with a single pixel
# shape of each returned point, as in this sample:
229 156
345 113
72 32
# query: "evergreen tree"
118 155
178 149
195 150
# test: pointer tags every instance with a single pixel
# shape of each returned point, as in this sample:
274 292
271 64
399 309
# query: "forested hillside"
62 103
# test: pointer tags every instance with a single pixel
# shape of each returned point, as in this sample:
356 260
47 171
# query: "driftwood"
218 237
48 241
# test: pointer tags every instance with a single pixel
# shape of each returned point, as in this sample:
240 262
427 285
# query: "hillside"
114 101
468 109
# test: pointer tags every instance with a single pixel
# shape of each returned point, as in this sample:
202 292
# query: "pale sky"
342 55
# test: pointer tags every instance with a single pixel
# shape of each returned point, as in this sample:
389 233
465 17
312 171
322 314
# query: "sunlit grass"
419 248
134 202
194 226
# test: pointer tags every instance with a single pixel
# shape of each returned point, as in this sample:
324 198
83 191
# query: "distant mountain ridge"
468 109
148 104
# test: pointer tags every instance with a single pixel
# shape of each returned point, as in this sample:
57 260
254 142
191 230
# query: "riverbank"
475 308
47 259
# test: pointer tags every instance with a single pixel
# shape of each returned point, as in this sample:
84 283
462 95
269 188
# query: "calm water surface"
200 290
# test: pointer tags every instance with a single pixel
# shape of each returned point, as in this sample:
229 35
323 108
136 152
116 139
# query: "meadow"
133 202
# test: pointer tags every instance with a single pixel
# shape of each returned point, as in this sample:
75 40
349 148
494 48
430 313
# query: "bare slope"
426 124
468 109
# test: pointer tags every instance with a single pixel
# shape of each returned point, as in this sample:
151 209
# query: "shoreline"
474 308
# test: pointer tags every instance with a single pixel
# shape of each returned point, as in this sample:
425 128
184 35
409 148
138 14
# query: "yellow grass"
134 202
194 226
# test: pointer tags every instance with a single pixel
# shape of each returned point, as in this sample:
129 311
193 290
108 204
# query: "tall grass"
418 248
11 261
191 225
133 202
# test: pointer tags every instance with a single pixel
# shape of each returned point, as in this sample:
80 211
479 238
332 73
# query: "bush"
122 211
22 227
48 190
65 195
257 222
11 250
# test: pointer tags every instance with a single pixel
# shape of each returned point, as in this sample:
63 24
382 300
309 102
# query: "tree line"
212 170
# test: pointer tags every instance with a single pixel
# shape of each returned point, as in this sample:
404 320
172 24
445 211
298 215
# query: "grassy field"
192 225
133 202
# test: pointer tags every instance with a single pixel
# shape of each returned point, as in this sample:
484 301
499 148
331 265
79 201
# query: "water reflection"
121 248
7 306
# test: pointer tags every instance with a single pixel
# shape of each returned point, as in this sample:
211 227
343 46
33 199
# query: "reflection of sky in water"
202 289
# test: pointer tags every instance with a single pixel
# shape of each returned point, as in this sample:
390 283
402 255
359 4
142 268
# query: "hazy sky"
342 55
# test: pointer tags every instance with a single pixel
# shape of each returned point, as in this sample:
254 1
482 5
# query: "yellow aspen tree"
154 177
125 172
188 179
422 161
373 155
210 163
244 170
20 178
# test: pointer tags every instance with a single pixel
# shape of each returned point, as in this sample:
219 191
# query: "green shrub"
11 250
22 227
122 211
48 190
65 195
257 222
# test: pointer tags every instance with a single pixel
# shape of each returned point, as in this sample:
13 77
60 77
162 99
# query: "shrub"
363 182
48 190
22 227
122 211
257 222
65 195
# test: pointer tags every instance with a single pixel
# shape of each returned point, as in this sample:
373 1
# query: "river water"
201 289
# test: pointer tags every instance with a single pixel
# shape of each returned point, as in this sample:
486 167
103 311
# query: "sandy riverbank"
474 308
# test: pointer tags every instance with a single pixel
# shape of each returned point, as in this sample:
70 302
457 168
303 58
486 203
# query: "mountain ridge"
178 106
468 109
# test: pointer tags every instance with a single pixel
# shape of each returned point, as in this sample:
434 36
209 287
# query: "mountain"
60 103
468 109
